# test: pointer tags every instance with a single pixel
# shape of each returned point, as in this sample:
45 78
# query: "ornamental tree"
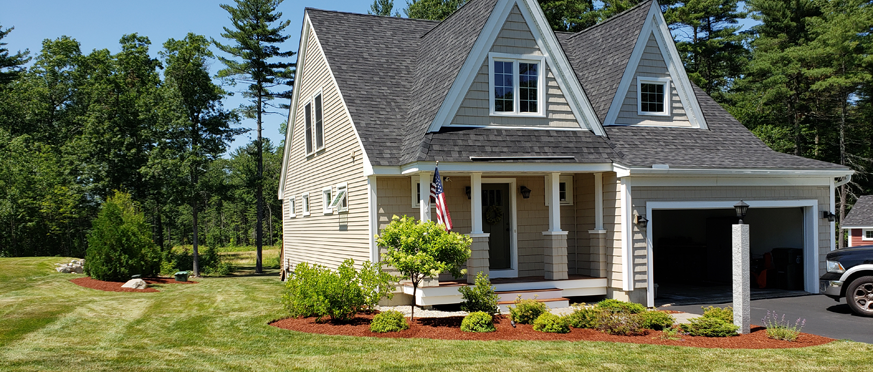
421 250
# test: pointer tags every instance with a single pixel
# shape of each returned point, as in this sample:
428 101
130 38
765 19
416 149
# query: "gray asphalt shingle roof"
861 214
395 72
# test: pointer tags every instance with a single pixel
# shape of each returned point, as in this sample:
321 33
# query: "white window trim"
326 195
568 180
414 194
516 58
307 134
306 206
314 138
292 206
864 235
310 135
342 189
668 92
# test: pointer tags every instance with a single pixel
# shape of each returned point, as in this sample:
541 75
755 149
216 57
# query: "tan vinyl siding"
641 195
580 258
325 239
612 225
514 38
652 65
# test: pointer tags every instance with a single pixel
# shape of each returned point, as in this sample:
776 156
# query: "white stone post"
741 280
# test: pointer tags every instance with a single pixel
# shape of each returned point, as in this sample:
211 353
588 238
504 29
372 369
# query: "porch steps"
552 297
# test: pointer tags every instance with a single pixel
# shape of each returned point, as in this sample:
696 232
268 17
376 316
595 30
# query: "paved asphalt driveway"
823 315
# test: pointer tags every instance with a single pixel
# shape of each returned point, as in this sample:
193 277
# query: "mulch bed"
450 329
89 282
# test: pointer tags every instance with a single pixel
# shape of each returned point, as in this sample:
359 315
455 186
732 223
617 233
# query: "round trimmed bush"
551 323
389 321
120 243
526 311
656 320
478 321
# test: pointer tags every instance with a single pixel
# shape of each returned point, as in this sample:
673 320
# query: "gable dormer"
517 76
655 89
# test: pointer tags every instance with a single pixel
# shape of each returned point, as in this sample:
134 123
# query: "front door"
495 221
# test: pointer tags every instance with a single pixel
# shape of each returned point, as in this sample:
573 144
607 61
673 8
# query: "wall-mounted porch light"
468 192
642 221
827 214
741 208
525 192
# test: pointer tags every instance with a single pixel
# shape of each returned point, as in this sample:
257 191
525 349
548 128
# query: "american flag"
436 192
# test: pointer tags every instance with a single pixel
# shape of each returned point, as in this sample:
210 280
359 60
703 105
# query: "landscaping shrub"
120 243
672 333
583 317
480 297
479 321
551 323
389 321
779 329
726 314
619 323
620 306
656 320
314 290
710 327
210 262
526 311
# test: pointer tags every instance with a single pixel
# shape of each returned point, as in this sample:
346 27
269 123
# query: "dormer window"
516 84
653 96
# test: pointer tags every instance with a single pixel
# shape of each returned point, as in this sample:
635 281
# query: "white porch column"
555 203
424 179
598 201
627 277
476 202
373 207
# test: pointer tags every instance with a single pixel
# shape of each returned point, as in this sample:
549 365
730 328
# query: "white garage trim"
810 233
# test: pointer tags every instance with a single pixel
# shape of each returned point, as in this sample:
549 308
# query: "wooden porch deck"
447 291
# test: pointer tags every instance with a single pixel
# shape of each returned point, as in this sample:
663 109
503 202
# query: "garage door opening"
692 262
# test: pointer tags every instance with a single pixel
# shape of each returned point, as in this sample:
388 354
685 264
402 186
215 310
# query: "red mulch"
450 329
89 282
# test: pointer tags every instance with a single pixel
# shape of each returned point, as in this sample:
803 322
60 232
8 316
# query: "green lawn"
48 323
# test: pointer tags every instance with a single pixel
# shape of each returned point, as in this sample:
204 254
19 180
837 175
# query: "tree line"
76 127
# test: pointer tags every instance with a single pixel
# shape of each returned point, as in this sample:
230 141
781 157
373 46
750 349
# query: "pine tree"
256 36
436 10
381 7
10 66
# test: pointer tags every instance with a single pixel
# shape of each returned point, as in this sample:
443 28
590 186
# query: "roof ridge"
370 15
616 16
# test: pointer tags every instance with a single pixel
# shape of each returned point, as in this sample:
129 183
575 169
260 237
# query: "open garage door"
691 253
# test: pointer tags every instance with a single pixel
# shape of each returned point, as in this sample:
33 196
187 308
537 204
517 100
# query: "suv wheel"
859 295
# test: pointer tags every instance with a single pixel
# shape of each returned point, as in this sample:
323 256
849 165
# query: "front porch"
553 292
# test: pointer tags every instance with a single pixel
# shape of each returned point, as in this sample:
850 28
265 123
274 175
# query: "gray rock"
135 284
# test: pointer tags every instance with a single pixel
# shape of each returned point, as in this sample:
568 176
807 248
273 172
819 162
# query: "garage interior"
691 251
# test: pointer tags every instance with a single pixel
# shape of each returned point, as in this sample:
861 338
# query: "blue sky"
99 24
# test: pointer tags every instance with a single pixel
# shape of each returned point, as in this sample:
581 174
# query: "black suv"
850 275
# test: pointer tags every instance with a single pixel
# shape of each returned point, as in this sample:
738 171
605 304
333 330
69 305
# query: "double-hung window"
653 96
565 190
305 199
868 234
516 84
326 199
292 207
313 117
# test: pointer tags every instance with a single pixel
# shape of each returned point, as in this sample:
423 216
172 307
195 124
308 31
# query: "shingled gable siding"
319 238
640 195
514 38
652 65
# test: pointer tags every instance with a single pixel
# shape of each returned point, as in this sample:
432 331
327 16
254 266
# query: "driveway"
823 315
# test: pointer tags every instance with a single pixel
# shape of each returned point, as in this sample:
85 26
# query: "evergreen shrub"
551 323
656 320
480 297
120 243
619 323
620 306
710 327
389 321
478 321
583 317
725 314
526 311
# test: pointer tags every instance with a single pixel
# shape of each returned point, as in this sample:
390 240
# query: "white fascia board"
366 159
719 180
549 46
715 204
292 112
655 24
640 171
847 227
509 168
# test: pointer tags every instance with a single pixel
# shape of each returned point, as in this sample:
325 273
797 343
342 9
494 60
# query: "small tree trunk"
843 188
194 241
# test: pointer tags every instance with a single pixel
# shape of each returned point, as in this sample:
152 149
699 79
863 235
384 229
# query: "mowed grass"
220 324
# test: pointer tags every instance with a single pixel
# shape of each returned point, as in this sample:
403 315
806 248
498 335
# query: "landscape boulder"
135 284
75 266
